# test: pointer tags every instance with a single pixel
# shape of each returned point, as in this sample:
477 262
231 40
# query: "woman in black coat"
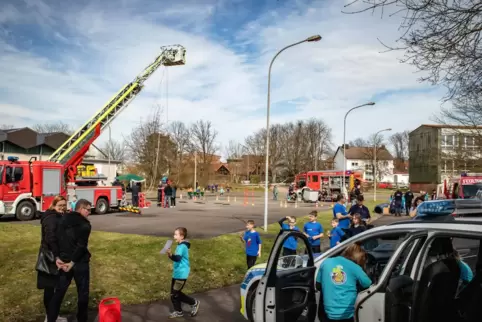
49 220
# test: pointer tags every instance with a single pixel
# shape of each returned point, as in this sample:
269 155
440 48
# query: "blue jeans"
167 201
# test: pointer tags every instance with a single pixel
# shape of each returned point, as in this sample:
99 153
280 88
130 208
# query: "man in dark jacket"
73 235
167 196
408 201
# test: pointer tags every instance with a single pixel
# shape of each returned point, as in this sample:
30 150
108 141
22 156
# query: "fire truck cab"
464 187
26 187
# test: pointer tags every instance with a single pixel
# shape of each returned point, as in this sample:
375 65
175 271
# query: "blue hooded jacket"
181 261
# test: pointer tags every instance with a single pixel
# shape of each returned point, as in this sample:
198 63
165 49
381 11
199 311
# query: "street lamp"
375 163
344 138
266 157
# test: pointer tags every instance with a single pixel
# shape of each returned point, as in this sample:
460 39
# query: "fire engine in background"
30 186
464 186
327 183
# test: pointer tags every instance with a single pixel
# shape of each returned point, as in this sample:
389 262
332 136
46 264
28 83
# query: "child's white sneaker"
195 308
176 314
59 319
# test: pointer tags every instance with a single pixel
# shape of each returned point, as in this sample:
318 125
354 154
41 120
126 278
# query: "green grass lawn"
125 266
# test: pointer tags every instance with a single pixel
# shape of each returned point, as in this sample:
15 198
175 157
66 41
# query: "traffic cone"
228 199
281 204
234 199
217 198
286 204
296 204
180 196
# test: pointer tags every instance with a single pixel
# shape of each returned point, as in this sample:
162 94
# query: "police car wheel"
251 302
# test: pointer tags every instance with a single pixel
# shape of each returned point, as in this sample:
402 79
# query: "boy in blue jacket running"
180 274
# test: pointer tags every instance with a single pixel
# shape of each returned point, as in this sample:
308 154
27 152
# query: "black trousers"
178 297
135 200
173 201
314 250
251 260
407 207
287 251
48 296
81 275
344 320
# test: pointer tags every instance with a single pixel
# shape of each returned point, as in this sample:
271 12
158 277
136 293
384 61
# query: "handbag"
46 262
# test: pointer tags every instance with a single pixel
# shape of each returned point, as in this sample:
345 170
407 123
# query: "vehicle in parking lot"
413 278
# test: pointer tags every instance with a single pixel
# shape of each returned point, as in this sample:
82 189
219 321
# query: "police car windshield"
470 190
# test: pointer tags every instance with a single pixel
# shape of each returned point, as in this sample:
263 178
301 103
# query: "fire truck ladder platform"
170 56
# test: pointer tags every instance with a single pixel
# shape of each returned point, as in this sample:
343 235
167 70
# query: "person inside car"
338 280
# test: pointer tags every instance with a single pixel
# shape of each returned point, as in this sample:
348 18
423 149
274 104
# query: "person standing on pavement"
167 195
73 235
135 189
339 212
49 242
408 201
397 197
180 274
275 192
173 196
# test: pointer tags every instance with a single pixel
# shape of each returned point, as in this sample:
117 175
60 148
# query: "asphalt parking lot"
203 219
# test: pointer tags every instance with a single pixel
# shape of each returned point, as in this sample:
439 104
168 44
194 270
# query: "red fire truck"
326 180
465 186
30 186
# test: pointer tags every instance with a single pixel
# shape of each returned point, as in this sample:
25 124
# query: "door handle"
271 307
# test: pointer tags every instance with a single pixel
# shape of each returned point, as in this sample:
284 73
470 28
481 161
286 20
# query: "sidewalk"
218 305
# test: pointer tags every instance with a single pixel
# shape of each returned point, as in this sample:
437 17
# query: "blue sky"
64 61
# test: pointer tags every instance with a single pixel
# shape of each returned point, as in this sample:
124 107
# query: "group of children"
343 223
313 230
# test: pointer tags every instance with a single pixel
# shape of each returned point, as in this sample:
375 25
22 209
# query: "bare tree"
151 149
6 127
180 135
439 37
234 150
203 141
115 150
399 142
359 142
54 128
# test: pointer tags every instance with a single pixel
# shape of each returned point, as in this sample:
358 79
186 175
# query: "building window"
354 164
448 140
314 178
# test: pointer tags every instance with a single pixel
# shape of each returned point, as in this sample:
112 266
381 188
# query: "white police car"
401 258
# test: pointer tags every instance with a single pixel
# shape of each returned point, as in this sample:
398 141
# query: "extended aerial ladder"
72 151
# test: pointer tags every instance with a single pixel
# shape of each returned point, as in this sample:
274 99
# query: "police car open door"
286 292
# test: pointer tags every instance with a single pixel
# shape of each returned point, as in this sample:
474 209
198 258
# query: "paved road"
218 305
211 218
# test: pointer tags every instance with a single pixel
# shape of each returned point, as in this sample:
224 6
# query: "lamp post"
375 163
344 139
266 157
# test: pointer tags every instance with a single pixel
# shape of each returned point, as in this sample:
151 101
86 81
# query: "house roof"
27 138
365 153
448 126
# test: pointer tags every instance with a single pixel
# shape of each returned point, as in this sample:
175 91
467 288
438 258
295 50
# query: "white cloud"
101 47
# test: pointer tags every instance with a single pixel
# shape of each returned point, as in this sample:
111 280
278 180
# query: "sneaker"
176 314
195 308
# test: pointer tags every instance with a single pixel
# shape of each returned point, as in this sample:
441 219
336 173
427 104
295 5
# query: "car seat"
435 296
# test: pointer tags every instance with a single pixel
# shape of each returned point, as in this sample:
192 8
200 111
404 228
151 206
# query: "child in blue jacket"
180 274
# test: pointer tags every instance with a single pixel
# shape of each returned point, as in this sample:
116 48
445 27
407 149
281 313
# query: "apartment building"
437 152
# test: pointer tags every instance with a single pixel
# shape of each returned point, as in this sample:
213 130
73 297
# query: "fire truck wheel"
25 211
101 207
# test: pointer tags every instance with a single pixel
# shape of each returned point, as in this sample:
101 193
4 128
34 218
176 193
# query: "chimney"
346 146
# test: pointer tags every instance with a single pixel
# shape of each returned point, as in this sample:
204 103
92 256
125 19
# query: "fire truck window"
13 174
314 178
